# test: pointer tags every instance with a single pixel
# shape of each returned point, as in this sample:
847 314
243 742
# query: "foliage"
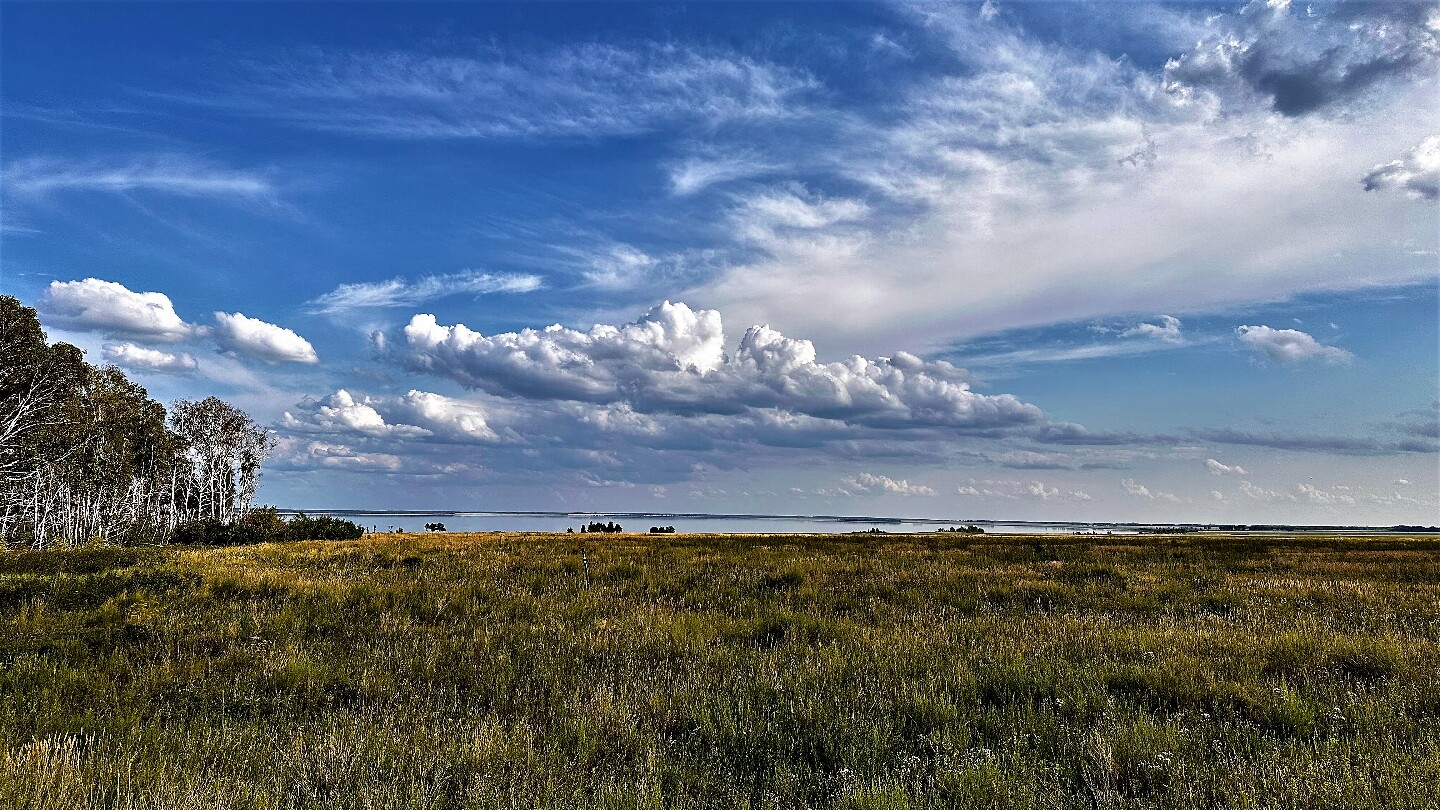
86 455
434 527
695 671
264 525
662 529
609 527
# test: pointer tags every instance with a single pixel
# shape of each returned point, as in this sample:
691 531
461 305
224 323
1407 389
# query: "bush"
324 527
264 525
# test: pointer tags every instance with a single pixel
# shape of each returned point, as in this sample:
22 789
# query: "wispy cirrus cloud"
1039 183
582 91
399 292
163 174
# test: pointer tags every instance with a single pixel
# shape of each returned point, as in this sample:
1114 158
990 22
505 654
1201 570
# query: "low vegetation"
626 671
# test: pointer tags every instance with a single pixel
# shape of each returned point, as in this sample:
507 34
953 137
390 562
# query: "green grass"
709 671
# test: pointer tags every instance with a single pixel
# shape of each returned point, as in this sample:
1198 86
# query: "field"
626 671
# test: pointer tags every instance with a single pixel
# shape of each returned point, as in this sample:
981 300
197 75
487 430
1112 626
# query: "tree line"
87 456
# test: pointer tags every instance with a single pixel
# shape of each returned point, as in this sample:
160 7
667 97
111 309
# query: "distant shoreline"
1077 526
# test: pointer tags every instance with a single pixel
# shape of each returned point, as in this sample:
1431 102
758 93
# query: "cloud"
1167 331
1304 62
341 412
1345 445
417 414
1417 174
398 292
1258 493
1141 491
618 267
107 307
309 455
697 173
1001 193
1290 345
174 175
1019 490
583 91
250 337
1218 468
672 360
141 358
867 483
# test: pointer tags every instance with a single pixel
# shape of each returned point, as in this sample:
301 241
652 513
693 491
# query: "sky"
1000 260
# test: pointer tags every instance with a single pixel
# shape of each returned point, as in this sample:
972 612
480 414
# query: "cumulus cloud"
141 358
308 455
867 483
1416 174
398 292
341 411
110 308
1168 330
1290 345
1141 491
250 337
414 415
1217 468
1019 490
672 360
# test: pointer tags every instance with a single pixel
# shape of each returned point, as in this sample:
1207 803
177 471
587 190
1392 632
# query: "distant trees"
434 527
86 455
662 529
607 528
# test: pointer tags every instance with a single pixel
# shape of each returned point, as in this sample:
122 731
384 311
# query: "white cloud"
398 292
169 174
618 267
417 414
1009 194
867 483
582 91
337 456
1218 468
1168 330
1258 493
1416 174
107 307
697 173
1314 494
1290 345
1141 491
141 358
341 412
250 337
1019 490
447 416
673 360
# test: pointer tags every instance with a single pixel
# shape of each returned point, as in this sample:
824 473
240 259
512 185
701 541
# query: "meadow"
708 671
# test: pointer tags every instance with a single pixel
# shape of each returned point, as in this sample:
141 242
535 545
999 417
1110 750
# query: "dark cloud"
1302 60
1345 445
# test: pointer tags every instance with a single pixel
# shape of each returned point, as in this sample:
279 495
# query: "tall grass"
707 671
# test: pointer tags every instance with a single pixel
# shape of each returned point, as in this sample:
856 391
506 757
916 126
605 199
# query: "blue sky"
1010 260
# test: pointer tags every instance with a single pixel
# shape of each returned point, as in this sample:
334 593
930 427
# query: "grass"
725 671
